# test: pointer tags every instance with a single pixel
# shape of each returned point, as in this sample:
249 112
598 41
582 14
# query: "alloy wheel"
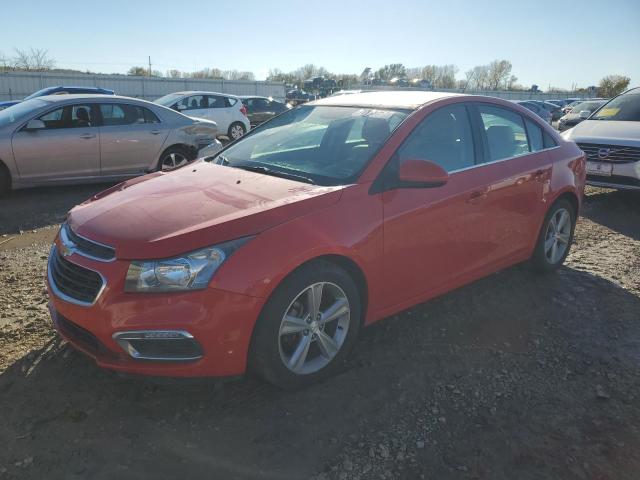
314 328
556 240
173 160
237 131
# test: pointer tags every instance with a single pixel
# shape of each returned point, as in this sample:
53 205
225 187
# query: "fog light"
160 345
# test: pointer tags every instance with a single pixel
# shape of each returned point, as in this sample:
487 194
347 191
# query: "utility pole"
149 65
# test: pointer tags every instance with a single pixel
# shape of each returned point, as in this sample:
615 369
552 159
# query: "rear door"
68 148
515 174
131 138
222 111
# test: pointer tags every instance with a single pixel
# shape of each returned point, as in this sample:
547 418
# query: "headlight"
192 271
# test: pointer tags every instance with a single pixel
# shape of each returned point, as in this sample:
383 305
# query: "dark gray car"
63 139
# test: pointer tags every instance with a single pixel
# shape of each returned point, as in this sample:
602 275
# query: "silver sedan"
65 139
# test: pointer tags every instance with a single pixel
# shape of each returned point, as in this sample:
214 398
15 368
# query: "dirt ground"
517 376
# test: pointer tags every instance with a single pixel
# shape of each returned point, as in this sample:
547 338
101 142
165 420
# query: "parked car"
58 91
552 108
611 139
261 109
328 218
62 139
537 109
226 110
578 113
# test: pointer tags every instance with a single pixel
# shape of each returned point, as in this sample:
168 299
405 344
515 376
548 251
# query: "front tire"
236 131
307 328
556 237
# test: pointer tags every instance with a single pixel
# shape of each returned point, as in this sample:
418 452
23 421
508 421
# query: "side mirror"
422 173
585 114
35 124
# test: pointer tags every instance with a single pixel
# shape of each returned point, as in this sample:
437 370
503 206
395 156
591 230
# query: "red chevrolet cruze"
273 254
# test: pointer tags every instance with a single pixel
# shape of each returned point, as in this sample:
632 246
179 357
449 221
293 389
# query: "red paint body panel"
410 244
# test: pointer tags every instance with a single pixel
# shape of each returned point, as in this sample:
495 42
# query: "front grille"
616 154
87 247
77 283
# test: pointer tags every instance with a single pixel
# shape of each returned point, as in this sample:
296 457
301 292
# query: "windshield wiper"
275 173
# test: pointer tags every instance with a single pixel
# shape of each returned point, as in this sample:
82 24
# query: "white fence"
17 85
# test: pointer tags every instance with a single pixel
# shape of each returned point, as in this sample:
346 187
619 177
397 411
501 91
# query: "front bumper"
624 176
220 323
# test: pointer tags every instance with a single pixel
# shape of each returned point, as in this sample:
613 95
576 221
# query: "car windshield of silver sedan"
623 108
20 110
324 145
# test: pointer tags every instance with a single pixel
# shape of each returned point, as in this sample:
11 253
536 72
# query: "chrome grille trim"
56 289
617 153
86 247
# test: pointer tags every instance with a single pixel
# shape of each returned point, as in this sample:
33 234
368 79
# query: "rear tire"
555 238
5 180
293 347
172 158
236 131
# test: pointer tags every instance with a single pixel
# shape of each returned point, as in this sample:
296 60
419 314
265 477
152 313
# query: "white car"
226 110
610 137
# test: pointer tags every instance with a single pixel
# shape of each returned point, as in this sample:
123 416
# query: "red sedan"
273 254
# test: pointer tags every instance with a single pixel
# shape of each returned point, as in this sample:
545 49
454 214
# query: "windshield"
39 93
17 112
168 100
626 107
325 145
591 106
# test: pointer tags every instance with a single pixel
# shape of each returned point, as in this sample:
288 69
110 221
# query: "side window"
216 102
263 104
443 137
125 114
534 132
548 140
193 102
230 102
505 133
53 119
80 116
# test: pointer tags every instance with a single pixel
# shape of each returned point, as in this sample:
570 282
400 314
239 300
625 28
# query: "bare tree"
499 72
35 59
613 85
477 77
173 73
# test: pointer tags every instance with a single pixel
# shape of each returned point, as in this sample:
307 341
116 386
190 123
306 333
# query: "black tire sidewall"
539 257
264 356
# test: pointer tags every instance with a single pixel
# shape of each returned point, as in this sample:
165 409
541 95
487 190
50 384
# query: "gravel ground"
517 376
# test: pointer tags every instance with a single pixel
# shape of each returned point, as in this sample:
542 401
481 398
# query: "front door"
67 148
434 236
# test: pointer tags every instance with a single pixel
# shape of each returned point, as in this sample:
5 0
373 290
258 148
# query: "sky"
548 42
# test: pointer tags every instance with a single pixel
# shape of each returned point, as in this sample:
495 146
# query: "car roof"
84 96
385 99
202 92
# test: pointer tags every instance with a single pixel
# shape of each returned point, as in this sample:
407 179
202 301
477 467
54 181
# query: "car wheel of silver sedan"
172 158
308 326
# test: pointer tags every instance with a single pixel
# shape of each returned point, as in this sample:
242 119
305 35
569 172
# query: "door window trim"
94 108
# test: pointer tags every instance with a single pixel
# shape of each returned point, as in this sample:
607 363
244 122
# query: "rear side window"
230 101
216 101
505 133
125 114
548 140
444 137
534 132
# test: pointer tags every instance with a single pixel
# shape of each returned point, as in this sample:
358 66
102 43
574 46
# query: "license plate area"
597 168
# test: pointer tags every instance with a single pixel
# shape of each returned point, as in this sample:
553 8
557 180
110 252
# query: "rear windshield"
623 108
19 111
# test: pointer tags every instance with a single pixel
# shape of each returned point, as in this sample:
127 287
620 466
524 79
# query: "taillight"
243 109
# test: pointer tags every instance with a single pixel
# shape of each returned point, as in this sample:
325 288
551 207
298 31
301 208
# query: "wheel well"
6 170
354 271
572 199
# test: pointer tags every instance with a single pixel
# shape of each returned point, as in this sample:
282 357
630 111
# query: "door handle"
478 195
155 132
87 136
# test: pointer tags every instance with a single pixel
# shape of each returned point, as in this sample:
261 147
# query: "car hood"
605 132
165 214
